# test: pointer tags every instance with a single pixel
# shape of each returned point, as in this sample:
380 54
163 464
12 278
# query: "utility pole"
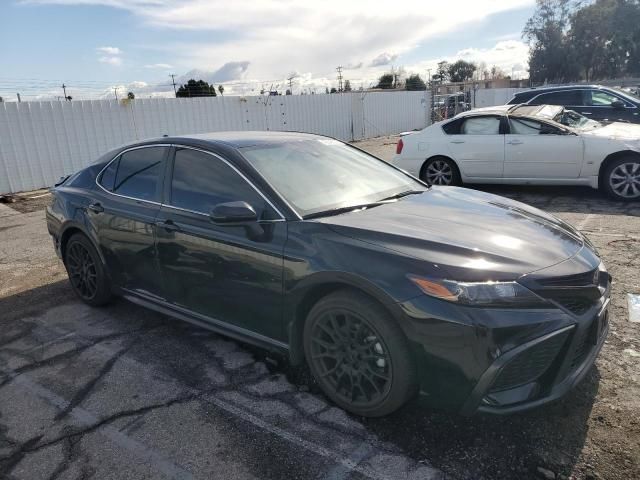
115 90
64 89
173 80
19 99
290 80
339 70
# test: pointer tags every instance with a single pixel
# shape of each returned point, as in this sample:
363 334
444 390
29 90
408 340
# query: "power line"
339 70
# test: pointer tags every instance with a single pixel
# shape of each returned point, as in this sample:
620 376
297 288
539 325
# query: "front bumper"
578 348
502 360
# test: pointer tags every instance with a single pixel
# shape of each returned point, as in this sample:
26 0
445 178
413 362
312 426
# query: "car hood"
616 130
473 236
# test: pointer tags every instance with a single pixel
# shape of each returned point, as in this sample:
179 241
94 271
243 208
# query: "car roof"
243 139
497 109
546 89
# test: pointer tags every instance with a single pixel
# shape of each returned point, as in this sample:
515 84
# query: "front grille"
530 364
579 280
575 305
576 293
583 344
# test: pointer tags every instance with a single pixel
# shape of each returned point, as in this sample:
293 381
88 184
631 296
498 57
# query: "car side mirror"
618 104
233 213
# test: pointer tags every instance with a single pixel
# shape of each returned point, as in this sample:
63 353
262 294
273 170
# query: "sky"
100 48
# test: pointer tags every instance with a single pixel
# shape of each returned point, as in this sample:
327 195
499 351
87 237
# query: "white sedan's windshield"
317 175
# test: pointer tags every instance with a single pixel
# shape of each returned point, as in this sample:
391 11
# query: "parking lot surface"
122 392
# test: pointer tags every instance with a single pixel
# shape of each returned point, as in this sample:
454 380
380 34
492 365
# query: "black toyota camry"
386 287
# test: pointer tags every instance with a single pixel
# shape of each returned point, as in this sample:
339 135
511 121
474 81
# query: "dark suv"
593 101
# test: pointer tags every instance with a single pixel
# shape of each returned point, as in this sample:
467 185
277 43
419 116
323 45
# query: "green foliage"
386 81
571 41
334 90
221 90
347 86
196 89
414 82
131 95
461 71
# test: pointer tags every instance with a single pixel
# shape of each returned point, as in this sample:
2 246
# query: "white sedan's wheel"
622 179
440 171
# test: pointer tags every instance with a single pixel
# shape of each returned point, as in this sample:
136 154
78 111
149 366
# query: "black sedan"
304 245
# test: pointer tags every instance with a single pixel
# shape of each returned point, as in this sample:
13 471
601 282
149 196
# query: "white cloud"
115 61
384 59
277 37
159 65
109 50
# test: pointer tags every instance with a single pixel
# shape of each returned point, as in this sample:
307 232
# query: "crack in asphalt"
89 386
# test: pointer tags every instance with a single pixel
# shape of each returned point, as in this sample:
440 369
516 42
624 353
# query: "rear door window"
136 173
564 97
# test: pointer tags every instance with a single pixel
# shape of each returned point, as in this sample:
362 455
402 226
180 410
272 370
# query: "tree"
131 96
606 39
347 86
550 53
386 81
461 71
287 92
442 73
221 89
326 89
196 89
414 82
496 73
334 90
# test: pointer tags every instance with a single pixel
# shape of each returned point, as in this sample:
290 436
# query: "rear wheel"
358 355
622 179
86 272
440 171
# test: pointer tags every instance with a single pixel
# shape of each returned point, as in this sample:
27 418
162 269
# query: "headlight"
498 294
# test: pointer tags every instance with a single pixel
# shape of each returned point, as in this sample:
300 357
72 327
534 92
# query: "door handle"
457 141
168 226
515 142
96 207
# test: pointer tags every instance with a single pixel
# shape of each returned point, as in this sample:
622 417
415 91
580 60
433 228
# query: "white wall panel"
42 141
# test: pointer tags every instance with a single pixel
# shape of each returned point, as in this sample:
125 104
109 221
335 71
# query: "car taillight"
399 147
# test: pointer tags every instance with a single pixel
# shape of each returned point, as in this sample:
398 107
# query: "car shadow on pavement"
493 446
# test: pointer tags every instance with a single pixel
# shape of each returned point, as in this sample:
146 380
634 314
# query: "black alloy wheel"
357 355
85 271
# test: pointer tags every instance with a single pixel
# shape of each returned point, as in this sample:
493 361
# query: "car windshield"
323 175
573 119
629 93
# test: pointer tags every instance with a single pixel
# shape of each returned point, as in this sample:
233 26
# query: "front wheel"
440 171
622 179
358 354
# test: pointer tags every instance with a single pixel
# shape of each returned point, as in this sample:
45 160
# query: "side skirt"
218 326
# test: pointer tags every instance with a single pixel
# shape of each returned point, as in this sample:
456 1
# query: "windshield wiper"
403 194
338 211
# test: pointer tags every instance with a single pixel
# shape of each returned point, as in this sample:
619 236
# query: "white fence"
42 141
495 96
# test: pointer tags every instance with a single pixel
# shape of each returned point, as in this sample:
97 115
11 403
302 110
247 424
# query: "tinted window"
138 173
453 127
566 97
109 175
602 99
201 181
481 126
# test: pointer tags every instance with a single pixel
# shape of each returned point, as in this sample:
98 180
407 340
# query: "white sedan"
523 144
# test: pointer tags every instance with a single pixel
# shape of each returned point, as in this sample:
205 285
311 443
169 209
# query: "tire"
440 171
358 355
86 272
621 179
